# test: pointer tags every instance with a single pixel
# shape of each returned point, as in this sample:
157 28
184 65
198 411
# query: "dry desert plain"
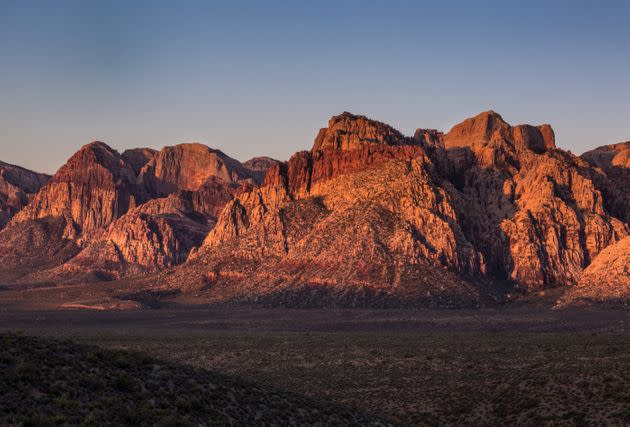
518 364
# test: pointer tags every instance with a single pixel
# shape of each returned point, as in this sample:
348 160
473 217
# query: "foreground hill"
48 382
368 216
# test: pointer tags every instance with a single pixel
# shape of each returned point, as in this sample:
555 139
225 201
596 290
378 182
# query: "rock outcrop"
535 212
606 279
358 213
94 188
120 215
611 156
156 235
370 208
188 167
258 167
17 187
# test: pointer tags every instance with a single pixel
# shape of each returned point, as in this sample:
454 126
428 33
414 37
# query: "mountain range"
367 217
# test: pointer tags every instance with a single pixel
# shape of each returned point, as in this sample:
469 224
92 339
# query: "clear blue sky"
260 77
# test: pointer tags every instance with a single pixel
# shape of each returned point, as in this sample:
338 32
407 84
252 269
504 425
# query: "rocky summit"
367 217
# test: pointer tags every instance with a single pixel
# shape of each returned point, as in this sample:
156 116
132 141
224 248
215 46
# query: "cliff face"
188 167
535 212
368 216
368 207
122 214
606 279
360 213
90 191
17 187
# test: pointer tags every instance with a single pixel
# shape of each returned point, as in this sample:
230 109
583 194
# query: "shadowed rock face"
609 157
17 187
607 278
138 157
536 213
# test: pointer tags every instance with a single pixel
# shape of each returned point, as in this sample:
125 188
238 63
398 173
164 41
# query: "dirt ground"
522 364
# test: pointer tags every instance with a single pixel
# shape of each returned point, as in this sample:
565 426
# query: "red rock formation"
535 212
606 279
92 189
258 167
90 206
609 157
17 187
359 213
138 157
366 215
188 167
151 237
492 200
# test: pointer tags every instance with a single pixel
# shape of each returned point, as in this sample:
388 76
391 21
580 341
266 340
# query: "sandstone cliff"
535 212
17 187
368 216
606 279
370 208
124 214
188 167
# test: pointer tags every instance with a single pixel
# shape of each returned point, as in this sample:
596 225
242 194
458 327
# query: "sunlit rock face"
370 207
368 216
139 211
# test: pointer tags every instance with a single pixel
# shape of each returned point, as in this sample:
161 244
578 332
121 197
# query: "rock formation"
17 187
370 208
188 167
534 212
606 279
368 216
94 188
122 214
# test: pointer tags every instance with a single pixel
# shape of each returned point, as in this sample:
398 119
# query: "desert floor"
523 364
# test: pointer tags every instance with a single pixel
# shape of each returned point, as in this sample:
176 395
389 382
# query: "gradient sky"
260 77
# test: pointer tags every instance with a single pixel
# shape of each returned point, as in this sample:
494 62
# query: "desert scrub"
50 382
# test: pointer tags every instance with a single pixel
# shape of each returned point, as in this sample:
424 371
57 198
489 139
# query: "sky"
261 77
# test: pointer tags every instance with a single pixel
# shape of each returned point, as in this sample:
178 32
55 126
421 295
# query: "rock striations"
368 216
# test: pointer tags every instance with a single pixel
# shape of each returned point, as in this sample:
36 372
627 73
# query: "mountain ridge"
367 215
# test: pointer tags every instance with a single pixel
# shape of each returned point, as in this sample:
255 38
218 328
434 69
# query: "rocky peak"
608 157
258 166
187 167
92 189
428 137
349 132
477 130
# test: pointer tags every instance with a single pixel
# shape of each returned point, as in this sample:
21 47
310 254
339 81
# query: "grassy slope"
52 382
